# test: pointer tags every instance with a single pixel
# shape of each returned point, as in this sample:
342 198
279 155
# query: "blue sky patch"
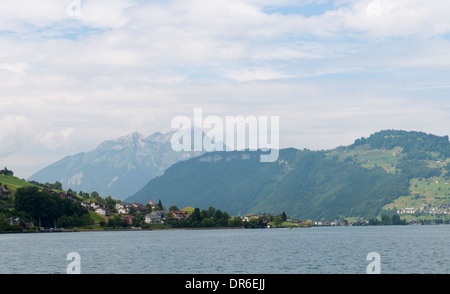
306 10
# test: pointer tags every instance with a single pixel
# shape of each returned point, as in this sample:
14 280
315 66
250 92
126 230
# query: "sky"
75 73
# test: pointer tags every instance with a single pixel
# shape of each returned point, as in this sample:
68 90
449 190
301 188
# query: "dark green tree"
4 223
96 197
211 210
235 222
46 207
196 215
116 222
208 222
7 172
57 185
374 222
396 220
278 221
386 220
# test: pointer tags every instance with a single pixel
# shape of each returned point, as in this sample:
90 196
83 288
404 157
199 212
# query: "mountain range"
116 168
385 171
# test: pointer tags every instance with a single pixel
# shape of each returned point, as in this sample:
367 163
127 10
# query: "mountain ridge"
116 167
358 180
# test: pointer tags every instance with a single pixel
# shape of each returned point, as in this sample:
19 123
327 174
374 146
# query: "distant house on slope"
179 214
18 221
95 205
138 207
102 211
128 219
123 210
4 191
119 205
67 195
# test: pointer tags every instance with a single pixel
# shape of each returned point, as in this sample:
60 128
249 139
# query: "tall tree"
196 215
7 172
278 221
173 208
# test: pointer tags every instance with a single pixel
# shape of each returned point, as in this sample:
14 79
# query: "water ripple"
325 250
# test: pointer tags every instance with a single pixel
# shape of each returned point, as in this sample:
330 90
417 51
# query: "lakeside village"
84 211
111 214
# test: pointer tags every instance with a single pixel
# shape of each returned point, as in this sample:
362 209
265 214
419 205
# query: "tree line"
208 218
213 217
416 144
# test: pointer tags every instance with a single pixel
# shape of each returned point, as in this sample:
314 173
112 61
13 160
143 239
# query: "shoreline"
196 229
151 229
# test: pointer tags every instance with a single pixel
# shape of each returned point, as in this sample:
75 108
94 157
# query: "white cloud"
104 13
18 15
15 68
24 16
54 140
398 18
244 75
13 129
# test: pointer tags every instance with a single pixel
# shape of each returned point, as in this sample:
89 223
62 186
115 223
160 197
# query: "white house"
123 210
85 205
95 205
101 211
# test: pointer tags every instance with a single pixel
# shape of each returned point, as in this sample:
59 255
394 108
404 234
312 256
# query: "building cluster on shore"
137 214
443 209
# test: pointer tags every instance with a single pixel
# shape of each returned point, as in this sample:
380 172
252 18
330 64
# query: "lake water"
316 250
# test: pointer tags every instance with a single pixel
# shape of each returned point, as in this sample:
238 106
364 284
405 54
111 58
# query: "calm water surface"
317 250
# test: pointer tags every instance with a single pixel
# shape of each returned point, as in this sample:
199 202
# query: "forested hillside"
359 180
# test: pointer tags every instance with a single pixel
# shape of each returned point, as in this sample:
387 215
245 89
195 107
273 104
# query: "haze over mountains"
116 168
388 170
